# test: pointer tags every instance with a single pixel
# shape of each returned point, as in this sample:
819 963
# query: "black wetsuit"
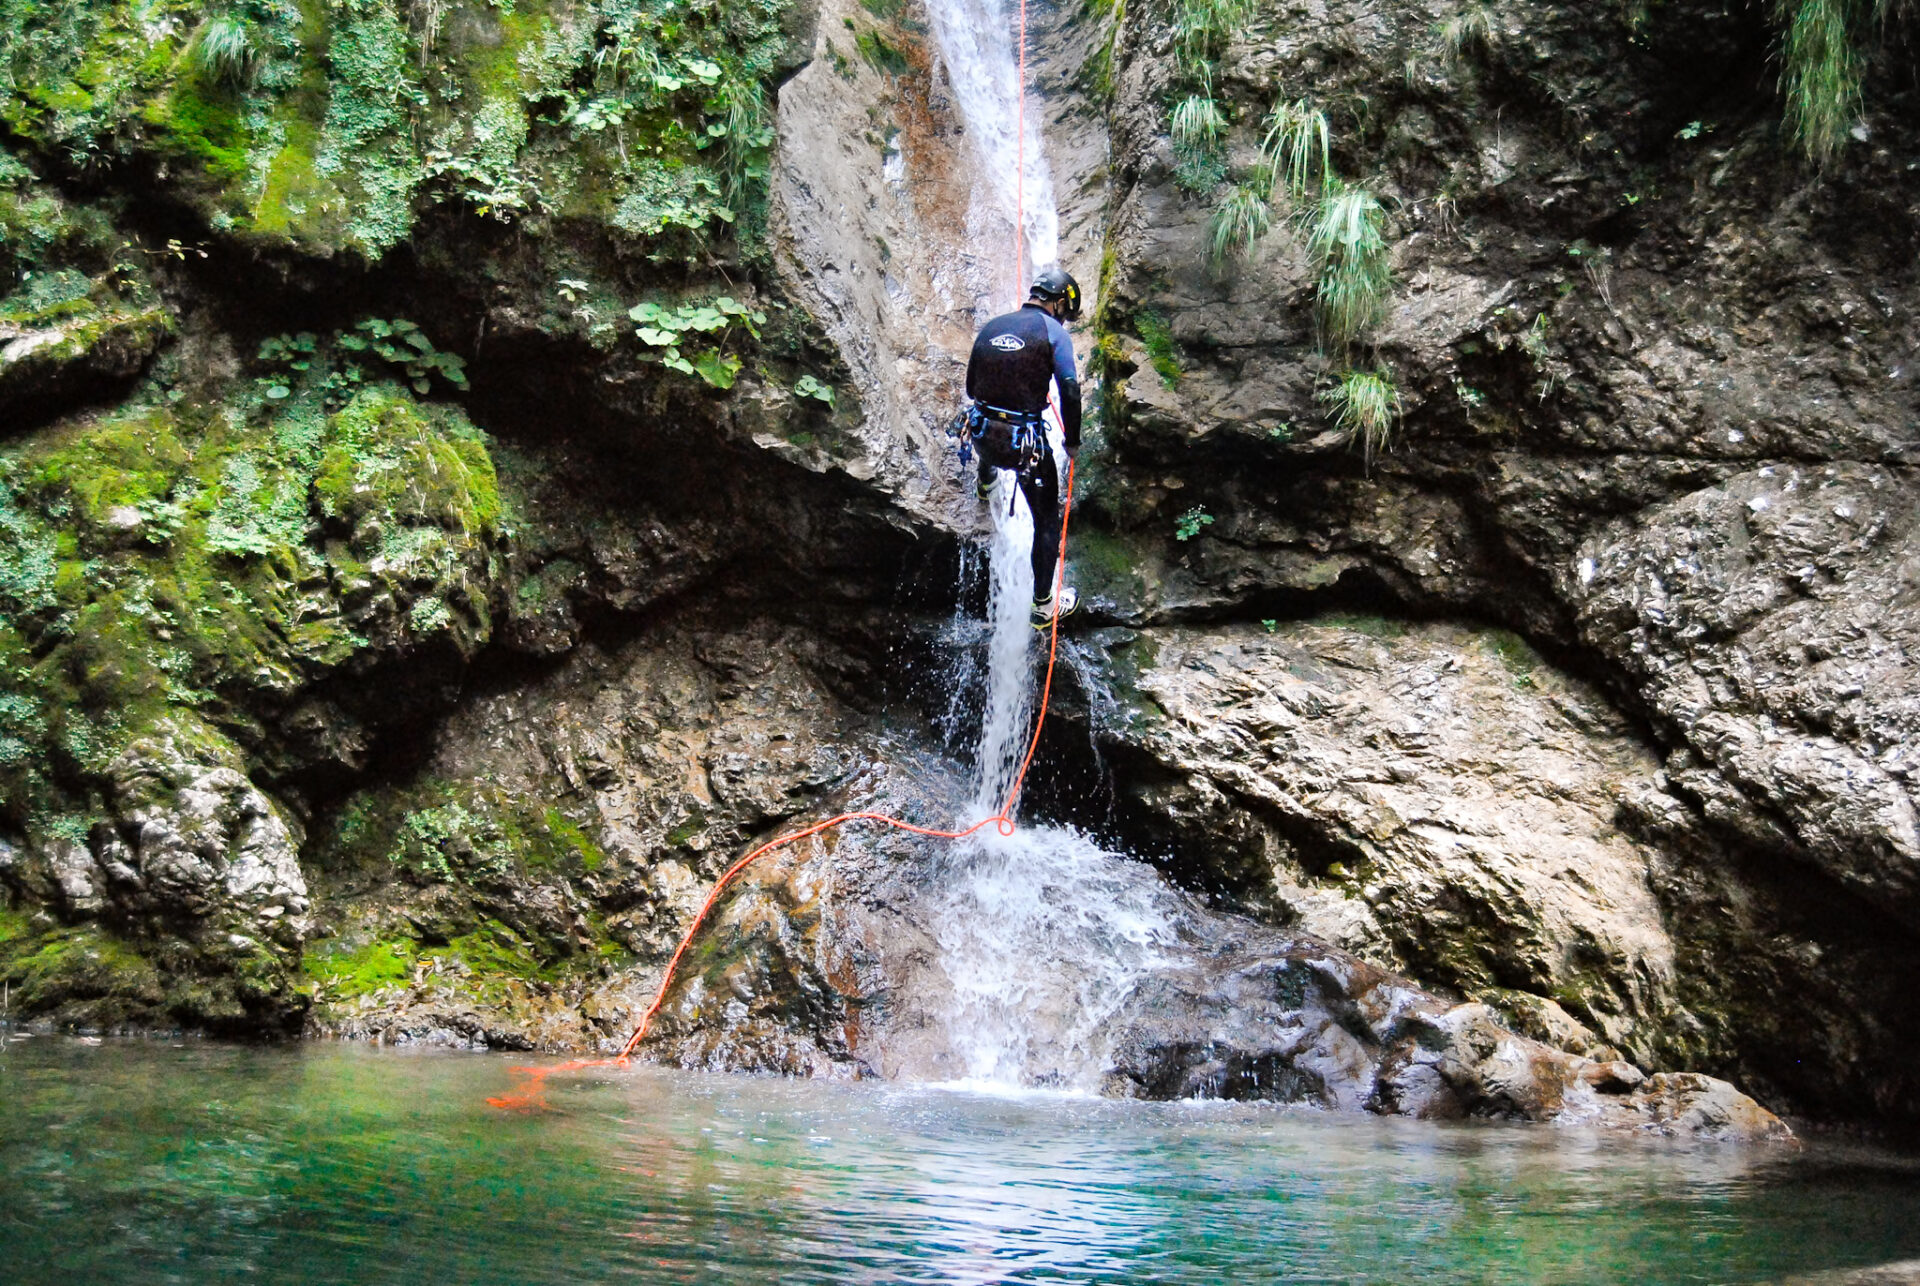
1016 357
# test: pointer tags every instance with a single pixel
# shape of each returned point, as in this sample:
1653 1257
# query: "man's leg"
1040 484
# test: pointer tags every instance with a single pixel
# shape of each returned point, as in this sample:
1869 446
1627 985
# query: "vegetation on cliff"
330 124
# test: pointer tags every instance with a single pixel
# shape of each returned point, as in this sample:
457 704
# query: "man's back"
1015 358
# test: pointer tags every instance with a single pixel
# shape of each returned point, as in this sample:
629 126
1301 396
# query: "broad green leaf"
717 370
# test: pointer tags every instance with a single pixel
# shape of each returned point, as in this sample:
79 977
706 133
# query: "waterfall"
978 42
1006 724
1042 935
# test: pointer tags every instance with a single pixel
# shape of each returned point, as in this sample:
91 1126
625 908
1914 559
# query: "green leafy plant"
1237 225
1189 524
664 329
403 344
225 51
807 386
1348 244
1365 406
335 367
1269 624
1297 150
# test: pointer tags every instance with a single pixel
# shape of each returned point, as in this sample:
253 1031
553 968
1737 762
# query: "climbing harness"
530 1093
1005 439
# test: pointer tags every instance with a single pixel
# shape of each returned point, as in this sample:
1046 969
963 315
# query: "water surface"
138 1162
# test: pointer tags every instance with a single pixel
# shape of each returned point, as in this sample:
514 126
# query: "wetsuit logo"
1008 343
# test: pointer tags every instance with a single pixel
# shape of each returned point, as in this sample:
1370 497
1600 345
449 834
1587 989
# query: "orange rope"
530 1094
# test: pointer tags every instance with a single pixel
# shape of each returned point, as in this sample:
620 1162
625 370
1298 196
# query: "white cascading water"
1043 936
1006 723
978 42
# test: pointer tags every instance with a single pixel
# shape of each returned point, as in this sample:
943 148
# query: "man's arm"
1067 375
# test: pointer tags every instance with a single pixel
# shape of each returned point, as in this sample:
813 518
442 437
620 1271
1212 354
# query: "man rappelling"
1016 359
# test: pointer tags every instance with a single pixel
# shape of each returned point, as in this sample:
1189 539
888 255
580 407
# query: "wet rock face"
198 864
1669 437
1769 623
831 960
63 363
523 886
1437 799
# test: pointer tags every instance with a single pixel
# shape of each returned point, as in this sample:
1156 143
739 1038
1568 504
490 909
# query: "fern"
1365 406
1348 244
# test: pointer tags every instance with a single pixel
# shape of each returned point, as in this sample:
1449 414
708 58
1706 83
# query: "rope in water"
530 1093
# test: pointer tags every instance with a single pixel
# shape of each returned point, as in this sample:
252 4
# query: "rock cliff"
466 470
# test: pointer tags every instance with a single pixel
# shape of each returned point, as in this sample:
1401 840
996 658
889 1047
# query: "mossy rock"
76 359
79 976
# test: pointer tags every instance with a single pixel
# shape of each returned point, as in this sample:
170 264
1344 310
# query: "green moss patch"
1157 338
176 557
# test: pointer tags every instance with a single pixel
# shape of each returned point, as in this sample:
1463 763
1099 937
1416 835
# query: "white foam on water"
1043 936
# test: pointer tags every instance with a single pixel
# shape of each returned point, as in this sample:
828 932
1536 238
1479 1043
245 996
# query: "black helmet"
1058 283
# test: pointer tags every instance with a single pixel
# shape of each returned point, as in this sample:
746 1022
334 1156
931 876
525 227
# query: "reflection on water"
141 1162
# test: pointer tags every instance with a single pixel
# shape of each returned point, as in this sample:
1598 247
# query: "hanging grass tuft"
1298 149
1237 225
1199 28
1469 29
1820 69
1198 124
1365 406
1197 127
225 51
1348 243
